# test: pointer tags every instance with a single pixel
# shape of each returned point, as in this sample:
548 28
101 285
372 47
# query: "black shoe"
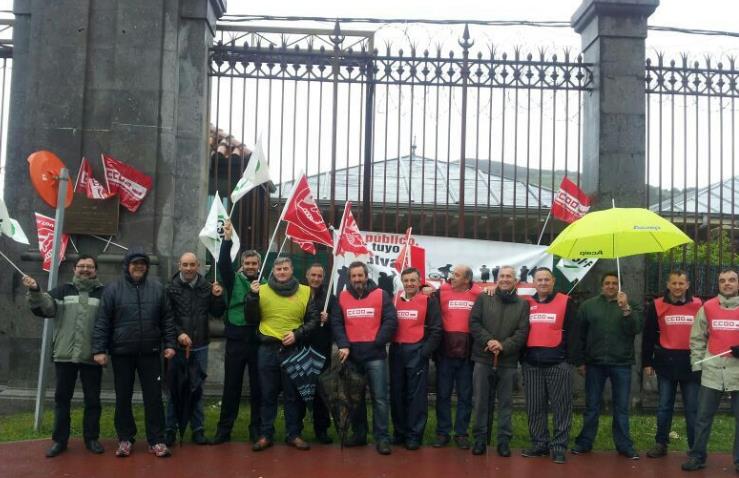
383 447
559 457
579 450
94 446
355 441
55 449
441 441
504 450
479 448
323 438
631 454
462 442
532 452
170 437
693 464
198 437
657 451
220 437
412 445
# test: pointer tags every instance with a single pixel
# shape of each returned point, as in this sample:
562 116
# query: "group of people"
477 338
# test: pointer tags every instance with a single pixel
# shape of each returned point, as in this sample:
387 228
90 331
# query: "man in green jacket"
608 325
499 325
74 307
714 350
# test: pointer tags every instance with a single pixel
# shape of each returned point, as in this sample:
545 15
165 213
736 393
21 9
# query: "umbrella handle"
187 353
495 359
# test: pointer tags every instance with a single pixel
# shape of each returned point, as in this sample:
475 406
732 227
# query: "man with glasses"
73 306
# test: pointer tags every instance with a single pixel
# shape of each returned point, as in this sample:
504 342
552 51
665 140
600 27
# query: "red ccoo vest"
723 326
546 321
675 322
411 319
362 317
456 307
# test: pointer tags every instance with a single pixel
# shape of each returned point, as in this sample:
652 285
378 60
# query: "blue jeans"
451 371
197 421
377 379
595 382
667 392
708 403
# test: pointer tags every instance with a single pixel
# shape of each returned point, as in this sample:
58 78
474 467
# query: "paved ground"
26 460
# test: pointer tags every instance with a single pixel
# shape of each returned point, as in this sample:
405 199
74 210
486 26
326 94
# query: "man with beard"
73 306
192 300
666 351
286 316
362 324
499 325
714 340
242 345
133 324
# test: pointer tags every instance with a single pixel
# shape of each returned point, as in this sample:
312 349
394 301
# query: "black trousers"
239 354
149 369
66 378
408 391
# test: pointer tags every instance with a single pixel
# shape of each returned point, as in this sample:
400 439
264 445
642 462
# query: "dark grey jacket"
191 307
507 322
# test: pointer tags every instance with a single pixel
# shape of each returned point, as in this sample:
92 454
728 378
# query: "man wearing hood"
666 352
73 306
242 344
714 350
192 300
499 325
133 326
363 324
286 316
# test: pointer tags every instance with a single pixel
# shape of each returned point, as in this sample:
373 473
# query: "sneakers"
657 451
124 449
559 457
462 442
693 464
532 452
160 450
441 441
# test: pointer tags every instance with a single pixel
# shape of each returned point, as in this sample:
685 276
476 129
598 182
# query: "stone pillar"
124 77
614 128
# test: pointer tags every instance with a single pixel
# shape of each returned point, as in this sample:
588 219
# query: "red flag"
130 184
403 261
86 183
302 211
570 203
300 237
418 259
45 228
351 239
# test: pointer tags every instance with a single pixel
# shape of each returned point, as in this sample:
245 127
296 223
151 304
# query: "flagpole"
577 281
726 352
12 263
282 214
109 242
544 228
337 238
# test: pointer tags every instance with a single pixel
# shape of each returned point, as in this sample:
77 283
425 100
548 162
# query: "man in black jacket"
363 323
133 325
192 300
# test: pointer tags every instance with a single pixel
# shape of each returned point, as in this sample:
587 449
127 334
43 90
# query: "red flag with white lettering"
351 239
86 183
300 237
302 211
130 184
45 228
404 258
570 203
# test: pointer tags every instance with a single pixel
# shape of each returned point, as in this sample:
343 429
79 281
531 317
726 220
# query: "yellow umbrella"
617 232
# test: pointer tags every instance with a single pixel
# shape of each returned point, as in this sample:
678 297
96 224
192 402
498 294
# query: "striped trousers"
549 388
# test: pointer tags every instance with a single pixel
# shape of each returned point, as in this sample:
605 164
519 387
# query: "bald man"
192 300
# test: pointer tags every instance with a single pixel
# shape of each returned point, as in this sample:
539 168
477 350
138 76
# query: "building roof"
432 182
717 198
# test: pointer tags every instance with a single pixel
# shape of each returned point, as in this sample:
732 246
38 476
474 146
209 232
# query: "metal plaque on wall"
92 216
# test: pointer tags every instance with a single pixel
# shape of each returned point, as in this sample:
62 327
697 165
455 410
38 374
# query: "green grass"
643 427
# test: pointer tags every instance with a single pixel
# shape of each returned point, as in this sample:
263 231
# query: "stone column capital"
592 10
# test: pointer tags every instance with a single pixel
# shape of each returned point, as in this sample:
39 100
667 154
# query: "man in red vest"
417 337
666 351
547 367
363 324
453 365
714 350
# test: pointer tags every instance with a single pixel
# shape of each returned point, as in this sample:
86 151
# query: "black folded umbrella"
342 388
185 378
303 365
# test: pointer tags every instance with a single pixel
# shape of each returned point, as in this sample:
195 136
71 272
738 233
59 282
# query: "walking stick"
492 383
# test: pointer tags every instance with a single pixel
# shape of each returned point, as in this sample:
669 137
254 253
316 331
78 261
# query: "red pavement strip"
26 460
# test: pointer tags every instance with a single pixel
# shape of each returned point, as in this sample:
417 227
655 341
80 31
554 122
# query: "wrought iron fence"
470 142
691 163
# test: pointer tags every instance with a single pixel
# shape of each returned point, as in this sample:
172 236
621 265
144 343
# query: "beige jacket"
721 373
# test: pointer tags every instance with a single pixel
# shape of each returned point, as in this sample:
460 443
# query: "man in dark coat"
192 300
133 326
